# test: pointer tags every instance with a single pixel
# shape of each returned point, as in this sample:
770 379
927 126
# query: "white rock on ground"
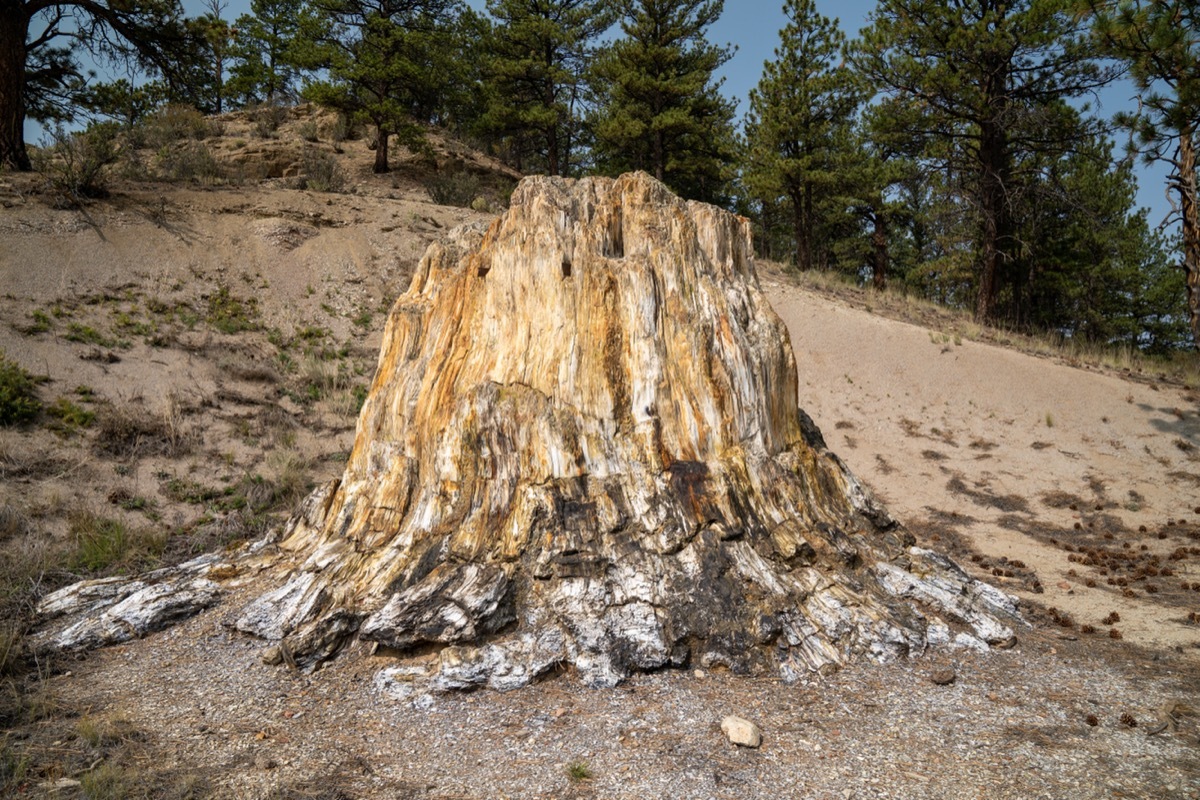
741 732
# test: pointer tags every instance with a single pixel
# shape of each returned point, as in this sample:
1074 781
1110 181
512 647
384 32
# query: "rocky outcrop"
583 448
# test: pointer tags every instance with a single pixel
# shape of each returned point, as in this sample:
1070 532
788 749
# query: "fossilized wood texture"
108 611
583 446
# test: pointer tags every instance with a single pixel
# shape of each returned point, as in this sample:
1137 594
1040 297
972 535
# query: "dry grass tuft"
131 431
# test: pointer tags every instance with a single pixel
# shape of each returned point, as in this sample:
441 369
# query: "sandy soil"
215 312
1014 457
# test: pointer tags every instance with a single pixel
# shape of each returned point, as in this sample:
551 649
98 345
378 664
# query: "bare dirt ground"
206 349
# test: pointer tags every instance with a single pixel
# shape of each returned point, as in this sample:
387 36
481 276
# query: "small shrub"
11 641
105 545
193 161
40 322
230 314
86 334
308 131
176 122
14 765
455 188
68 416
266 119
320 172
75 165
132 431
344 129
101 732
579 771
12 522
108 781
18 394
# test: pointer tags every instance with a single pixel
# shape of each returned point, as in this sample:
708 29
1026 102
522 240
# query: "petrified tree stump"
583 447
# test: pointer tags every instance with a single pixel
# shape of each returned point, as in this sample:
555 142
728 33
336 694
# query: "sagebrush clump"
19 402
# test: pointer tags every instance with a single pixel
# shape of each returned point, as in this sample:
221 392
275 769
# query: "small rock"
943 677
61 783
741 732
699 673
272 656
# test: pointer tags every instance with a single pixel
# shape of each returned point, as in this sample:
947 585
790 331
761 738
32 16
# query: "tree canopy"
950 150
39 43
1160 43
658 105
981 83
798 129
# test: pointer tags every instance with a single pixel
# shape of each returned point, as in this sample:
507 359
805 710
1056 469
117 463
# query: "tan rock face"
583 447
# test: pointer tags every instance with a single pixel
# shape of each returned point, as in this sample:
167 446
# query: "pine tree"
875 170
216 34
798 130
1093 267
979 76
37 54
262 70
535 75
658 107
388 62
122 100
1160 41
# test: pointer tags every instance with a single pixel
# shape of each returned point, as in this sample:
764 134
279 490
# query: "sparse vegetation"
40 322
86 334
320 172
19 402
231 314
453 188
68 416
75 165
130 431
190 161
104 545
174 122
579 771
267 118
108 781
307 131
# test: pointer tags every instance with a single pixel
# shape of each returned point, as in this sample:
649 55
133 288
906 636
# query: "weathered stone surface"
95 613
741 732
144 611
583 447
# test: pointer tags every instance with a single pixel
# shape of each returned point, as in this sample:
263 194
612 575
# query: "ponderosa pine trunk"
14 24
879 250
802 222
993 155
1191 230
381 149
